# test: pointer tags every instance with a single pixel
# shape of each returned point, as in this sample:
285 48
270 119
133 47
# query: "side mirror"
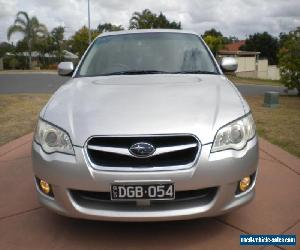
229 64
65 68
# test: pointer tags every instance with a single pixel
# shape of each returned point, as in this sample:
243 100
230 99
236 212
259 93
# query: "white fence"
273 72
266 71
249 67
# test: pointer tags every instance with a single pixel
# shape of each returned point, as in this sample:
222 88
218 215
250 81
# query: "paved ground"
24 224
49 82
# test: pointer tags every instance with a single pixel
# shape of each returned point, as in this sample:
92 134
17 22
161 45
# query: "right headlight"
235 134
52 139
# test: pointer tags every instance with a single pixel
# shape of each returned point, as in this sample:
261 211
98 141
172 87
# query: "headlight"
235 135
52 139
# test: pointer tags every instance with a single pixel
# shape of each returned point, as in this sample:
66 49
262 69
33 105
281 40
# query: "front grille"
170 150
182 198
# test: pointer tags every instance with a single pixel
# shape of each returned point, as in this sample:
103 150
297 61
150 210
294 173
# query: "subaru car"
147 128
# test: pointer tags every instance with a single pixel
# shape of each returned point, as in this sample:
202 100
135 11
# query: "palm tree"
57 34
148 20
109 27
142 20
31 28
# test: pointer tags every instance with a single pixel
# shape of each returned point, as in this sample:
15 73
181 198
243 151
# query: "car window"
155 51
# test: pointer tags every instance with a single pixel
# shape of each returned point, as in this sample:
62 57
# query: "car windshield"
147 53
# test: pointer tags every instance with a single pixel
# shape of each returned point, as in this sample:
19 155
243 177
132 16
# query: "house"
37 58
235 46
34 54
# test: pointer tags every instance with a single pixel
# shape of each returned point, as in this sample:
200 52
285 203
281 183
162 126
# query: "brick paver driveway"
24 224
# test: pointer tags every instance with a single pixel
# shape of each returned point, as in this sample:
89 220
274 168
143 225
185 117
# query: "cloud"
232 17
7 13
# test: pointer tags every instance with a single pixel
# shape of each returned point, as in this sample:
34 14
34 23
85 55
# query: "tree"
212 32
21 46
230 39
215 43
142 20
214 40
109 27
5 47
148 20
80 40
43 45
17 60
31 28
162 22
52 43
57 35
264 43
289 60
282 38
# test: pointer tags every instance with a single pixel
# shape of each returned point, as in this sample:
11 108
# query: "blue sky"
232 17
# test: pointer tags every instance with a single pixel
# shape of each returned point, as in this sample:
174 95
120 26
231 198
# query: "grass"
279 125
18 114
244 80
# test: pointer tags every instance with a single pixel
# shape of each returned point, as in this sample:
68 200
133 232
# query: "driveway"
49 82
24 224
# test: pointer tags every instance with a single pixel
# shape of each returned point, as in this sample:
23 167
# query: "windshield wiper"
144 72
195 72
135 72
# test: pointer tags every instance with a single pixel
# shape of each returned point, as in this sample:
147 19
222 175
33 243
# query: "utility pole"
89 20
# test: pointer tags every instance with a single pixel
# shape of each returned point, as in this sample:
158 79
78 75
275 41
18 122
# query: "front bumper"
222 170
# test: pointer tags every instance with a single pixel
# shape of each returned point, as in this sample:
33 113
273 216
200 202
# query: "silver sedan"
147 129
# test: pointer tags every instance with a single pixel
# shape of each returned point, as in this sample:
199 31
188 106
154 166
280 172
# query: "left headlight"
234 135
52 139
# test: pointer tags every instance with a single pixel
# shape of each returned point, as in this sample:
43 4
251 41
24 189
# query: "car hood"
145 104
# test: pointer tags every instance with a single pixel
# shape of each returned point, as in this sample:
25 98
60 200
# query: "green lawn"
18 114
281 125
244 80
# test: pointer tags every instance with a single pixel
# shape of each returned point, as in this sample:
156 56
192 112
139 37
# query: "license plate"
164 191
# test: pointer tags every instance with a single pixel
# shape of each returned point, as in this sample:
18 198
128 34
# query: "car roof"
135 31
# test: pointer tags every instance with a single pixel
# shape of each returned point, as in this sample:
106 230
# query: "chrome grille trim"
125 152
158 151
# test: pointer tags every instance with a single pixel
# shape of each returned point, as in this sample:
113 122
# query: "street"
50 82
30 83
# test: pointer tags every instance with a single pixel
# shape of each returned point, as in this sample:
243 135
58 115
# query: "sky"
239 18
